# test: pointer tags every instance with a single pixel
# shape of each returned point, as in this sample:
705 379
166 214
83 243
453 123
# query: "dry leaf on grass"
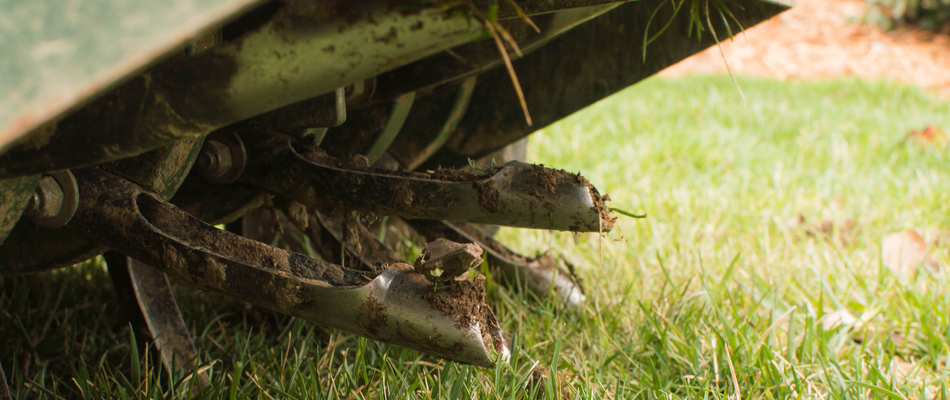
936 237
930 136
840 318
904 251
843 232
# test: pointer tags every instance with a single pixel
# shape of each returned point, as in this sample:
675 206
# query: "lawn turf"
711 292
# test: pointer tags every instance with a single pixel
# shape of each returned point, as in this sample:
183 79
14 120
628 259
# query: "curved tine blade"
328 234
4 389
397 306
517 194
148 300
261 226
540 275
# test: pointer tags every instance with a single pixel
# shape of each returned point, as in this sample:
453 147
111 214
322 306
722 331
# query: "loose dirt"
464 301
824 38
487 195
549 178
538 375
546 177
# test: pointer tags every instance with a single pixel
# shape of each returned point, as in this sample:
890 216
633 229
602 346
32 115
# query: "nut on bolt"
222 159
54 201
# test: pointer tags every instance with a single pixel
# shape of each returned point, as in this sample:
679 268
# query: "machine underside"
328 119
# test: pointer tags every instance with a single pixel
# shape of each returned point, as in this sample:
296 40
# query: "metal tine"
331 234
540 275
396 306
147 298
4 389
517 194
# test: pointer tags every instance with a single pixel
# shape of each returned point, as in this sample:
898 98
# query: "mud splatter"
297 213
538 376
464 301
487 195
372 316
547 177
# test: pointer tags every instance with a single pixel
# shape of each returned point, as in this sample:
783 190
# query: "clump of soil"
547 177
538 375
606 220
487 195
464 301
460 300
454 175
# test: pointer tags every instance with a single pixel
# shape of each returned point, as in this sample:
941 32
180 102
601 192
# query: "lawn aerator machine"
135 130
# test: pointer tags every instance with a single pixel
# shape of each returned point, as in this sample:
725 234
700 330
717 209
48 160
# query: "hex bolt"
214 159
221 160
47 200
54 201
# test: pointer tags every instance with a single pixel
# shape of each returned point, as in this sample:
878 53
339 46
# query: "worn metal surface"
149 303
396 306
57 54
323 111
304 50
30 248
477 57
15 194
495 119
161 170
518 194
540 275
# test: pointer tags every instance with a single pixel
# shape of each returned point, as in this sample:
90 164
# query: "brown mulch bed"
824 38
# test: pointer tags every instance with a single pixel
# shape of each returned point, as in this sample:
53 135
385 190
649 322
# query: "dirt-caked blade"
516 194
397 306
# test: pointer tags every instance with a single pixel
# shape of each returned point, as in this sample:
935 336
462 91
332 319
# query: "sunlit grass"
709 293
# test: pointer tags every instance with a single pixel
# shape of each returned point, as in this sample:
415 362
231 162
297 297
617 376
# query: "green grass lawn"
711 296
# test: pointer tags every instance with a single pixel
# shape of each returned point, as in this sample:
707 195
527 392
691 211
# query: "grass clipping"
699 13
501 37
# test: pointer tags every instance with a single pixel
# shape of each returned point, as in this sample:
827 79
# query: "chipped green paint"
58 54
14 197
